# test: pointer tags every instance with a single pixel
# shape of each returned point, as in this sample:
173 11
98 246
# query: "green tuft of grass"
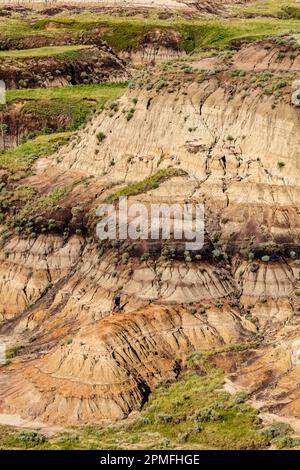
151 182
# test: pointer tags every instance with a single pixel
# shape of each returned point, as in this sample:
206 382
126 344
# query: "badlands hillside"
163 107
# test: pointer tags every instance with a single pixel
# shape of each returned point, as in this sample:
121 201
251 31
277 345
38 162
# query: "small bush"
207 415
254 267
183 437
101 136
164 418
31 437
277 430
145 257
125 258
287 442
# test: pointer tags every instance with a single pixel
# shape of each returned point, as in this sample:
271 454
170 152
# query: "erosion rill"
218 128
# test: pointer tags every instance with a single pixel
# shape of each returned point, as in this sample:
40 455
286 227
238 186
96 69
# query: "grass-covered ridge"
125 33
64 108
51 51
98 92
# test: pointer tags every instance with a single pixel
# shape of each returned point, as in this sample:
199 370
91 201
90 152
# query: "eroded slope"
222 134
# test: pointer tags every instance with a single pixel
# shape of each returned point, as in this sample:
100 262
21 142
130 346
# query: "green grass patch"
12 28
24 156
125 33
194 410
151 182
65 108
98 92
50 51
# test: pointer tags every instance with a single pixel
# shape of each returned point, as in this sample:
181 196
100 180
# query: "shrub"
183 437
254 267
207 415
31 437
281 84
198 427
277 430
11 352
130 114
164 418
287 442
100 136
114 106
239 398
125 258
145 257
217 253
165 252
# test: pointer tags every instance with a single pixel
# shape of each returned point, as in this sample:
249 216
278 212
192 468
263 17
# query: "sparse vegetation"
145 185
21 159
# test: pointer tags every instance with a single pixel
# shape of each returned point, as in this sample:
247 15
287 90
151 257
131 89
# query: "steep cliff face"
232 137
